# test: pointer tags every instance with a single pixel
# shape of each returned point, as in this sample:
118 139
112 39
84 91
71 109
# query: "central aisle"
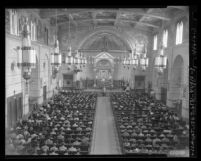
105 139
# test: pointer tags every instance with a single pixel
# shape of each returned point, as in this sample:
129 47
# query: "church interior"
97 81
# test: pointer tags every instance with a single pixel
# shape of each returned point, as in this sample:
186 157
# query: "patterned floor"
105 140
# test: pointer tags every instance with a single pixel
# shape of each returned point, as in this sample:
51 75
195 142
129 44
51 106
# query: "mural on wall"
140 43
103 64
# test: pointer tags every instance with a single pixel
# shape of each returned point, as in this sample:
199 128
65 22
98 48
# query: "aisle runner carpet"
105 139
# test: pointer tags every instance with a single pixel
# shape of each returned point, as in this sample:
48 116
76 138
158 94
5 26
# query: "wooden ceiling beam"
143 17
183 8
49 14
126 20
146 14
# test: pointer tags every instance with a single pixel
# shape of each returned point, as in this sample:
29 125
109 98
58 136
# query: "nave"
105 138
87 123
63 126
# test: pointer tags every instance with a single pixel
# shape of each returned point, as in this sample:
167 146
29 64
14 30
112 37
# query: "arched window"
155 42
165 38
179 33
33 31
14 22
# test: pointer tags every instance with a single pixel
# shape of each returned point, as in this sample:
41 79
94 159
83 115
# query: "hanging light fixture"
128 62
135 62
81 60
77 67
69 57
161 60
56 56
135 58
124 62
26 54
85 61
144 61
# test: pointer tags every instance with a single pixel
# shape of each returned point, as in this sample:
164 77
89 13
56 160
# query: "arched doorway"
176 83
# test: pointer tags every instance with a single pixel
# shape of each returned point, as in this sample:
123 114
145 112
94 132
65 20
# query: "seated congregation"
146 126
63 126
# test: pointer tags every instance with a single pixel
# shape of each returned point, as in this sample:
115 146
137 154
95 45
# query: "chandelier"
144 62
76 60
56 56
26 54
137 59
161 61
134 62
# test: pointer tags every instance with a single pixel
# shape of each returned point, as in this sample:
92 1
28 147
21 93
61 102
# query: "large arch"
176 83
123 36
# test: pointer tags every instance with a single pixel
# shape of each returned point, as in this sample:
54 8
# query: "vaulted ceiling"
106 42
142 18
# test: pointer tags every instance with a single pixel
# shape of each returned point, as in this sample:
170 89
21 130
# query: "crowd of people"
146 125
62 126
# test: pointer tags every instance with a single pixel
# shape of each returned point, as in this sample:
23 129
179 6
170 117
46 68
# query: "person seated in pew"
72 150
62 148
45 148
49 142
54 147
53 153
